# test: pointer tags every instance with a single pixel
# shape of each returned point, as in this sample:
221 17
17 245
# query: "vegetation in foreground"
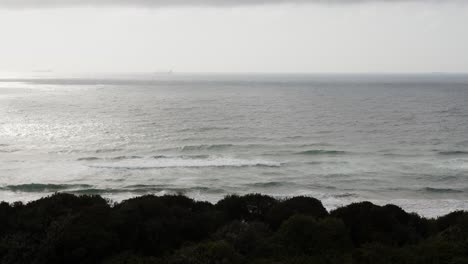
254 228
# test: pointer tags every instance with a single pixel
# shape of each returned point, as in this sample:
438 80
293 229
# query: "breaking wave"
38 187
85 189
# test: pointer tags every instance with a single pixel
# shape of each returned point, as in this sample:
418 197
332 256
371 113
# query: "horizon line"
173 72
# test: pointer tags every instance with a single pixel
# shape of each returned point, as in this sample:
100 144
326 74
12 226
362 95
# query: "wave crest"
321 152
186 163
441 190
206 147
39 187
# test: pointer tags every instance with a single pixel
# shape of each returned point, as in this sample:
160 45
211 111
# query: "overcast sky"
233 36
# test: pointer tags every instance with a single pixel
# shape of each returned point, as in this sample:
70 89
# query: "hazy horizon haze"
274 37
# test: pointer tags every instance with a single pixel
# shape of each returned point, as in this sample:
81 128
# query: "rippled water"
340 138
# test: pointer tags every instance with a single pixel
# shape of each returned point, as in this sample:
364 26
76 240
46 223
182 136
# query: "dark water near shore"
399 139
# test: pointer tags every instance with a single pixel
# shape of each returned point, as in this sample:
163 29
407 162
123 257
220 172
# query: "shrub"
327 239
249 239
254 229
249 207
217 252
296 205
388 224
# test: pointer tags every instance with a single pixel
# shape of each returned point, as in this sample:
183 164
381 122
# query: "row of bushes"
65 228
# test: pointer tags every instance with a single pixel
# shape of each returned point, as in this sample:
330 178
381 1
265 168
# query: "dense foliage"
254 228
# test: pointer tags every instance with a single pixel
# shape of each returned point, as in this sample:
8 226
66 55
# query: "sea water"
400 139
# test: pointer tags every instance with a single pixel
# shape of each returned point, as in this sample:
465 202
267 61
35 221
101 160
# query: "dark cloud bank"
167 3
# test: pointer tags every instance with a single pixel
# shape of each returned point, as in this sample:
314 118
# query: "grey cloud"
167 3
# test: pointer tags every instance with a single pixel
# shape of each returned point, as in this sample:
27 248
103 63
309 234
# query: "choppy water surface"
339 138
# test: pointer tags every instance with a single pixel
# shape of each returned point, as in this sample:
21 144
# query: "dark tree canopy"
174 229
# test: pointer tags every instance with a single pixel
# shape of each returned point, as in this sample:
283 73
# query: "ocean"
388 138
